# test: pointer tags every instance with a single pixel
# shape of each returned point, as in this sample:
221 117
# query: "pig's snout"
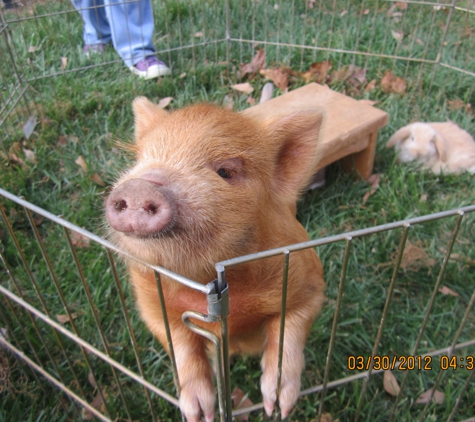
141 208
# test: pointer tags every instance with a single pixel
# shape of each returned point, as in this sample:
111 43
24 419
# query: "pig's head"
209 184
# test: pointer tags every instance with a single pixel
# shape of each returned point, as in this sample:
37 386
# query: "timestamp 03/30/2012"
410 363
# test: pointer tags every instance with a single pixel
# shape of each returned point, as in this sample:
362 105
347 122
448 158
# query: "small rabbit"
441 147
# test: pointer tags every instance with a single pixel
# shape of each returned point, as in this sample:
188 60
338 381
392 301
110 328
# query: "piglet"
209 184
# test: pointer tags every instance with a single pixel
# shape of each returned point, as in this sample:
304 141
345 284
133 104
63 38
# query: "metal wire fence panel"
66 309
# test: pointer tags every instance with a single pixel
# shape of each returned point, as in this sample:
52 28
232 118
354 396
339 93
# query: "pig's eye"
225 173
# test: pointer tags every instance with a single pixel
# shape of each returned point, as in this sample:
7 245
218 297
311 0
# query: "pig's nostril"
120 205
150 208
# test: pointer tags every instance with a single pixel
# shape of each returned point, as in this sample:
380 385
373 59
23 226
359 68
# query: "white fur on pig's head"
418 142
232 179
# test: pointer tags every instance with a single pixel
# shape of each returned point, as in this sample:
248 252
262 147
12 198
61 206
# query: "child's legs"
132 29
96 24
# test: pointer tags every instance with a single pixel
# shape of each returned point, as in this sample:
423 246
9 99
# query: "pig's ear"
296 159
147 115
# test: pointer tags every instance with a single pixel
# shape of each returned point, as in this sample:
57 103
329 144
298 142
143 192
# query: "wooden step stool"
350 128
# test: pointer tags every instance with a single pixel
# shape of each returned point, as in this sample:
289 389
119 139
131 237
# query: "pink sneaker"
150 68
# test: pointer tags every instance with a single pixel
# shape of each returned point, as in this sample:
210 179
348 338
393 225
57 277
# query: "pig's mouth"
142 209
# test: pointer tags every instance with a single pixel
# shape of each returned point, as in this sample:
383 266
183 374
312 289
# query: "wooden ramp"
350 128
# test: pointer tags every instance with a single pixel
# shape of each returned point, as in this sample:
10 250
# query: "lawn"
87 113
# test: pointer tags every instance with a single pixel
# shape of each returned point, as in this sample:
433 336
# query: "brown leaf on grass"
245 87
390 383
373 180
458 104
79 240
64 318
14 154
326 417
370 86
414 258
279 76
97 179
81 163
401 5
98 404
393 84
317 72
33 49
240 400
199 34
257 63
311 4
397 35
251 101
446 291
164 102
30 156
438 397
64 62
62 141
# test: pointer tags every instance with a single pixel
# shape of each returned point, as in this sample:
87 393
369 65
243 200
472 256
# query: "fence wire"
59 304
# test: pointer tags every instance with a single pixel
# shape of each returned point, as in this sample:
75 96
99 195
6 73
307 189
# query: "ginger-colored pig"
208 185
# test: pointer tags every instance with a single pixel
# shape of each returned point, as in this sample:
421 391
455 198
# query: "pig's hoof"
289 393
197 398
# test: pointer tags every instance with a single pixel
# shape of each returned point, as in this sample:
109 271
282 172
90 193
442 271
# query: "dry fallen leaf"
390 383
199 34
279 76
182 75
414 258
240 400
64 62
402 5
373 180
370 86
257 63
97 179
398 36
438 397
32 49
97 403
392 83
251 101
62 141
245 87
63 318
164 102
81 163
446 291
317 72
30 156
79 240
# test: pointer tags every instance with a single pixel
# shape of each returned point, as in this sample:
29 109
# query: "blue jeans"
127 23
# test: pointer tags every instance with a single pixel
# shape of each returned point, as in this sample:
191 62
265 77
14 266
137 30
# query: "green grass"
89 110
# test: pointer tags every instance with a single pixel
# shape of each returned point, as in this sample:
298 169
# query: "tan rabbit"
441 147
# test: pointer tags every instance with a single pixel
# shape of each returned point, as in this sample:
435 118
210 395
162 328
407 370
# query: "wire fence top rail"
344 236
61 221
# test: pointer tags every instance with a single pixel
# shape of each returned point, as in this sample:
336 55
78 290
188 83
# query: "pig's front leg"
197 392
295 334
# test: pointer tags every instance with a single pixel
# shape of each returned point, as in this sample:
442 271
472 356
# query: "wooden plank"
347 127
